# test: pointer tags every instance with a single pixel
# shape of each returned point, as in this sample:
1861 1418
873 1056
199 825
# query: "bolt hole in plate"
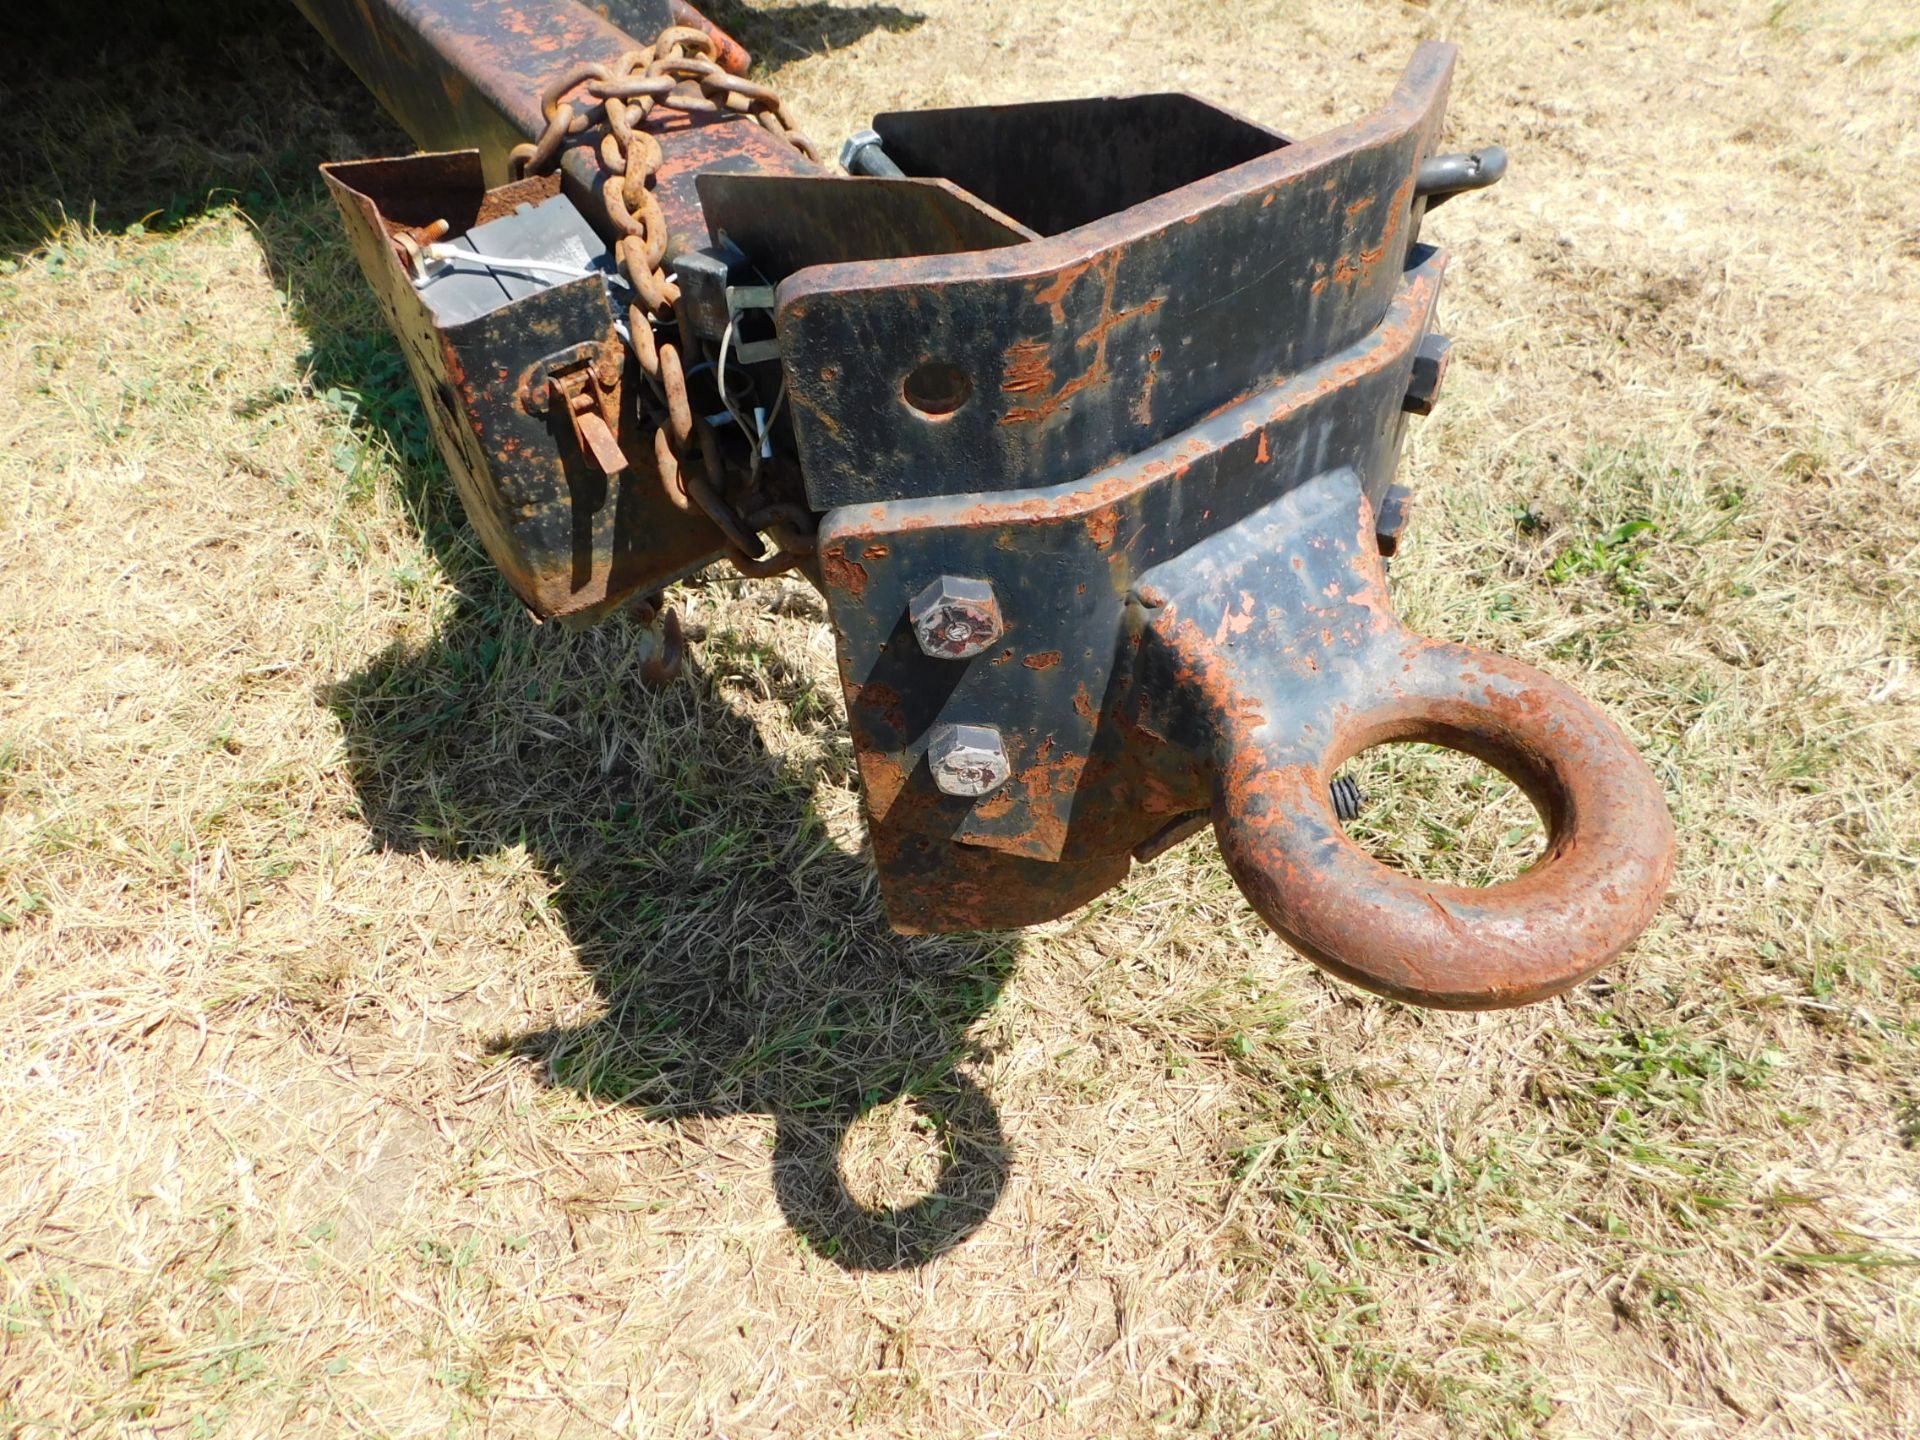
936 389
1443 816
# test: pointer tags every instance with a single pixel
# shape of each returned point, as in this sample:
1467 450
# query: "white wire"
765 425
720 376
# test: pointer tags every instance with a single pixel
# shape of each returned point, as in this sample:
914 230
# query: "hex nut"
1429 370
955 618
967 760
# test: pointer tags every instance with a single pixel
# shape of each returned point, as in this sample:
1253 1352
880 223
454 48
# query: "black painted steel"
1058 164
1086 347
788 223
1102 402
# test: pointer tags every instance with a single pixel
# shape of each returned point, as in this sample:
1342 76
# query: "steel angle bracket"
1106 510
573 535
531 397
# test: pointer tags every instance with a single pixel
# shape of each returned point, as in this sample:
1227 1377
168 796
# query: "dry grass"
409 1024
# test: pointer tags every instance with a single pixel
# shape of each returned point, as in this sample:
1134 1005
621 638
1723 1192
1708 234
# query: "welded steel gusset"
1083 415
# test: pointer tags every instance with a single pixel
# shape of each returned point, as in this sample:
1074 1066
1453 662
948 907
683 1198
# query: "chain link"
680 72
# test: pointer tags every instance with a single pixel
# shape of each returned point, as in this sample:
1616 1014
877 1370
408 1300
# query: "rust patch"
1395 337
1053 294
882 697
1045 660
816 415
1043 381
1142 407
882 780
994 806
1097 334
1028 369
841 572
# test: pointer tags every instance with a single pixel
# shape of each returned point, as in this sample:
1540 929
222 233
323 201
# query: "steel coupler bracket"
1083 414
1106 510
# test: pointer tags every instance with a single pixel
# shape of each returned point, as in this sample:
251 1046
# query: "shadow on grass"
743 962
119 113
741 954
777 38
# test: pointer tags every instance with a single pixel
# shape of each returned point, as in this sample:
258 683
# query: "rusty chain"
681 72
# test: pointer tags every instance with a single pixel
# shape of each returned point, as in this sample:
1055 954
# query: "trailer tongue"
1083 415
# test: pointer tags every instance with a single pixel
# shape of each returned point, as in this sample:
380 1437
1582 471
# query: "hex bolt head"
967 760
862 155
955 618
850 149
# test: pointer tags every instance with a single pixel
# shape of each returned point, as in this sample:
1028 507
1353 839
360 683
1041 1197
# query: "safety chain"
623 96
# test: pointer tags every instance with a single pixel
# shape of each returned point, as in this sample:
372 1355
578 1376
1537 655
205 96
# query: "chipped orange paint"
1028 368
1053 294
843 573
1028 375
1235 622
